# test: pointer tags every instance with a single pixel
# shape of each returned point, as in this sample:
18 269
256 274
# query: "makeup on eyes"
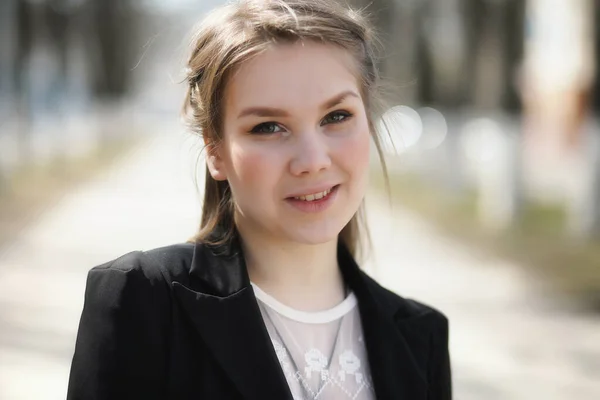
256 129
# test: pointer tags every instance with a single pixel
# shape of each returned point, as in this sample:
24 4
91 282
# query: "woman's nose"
311 154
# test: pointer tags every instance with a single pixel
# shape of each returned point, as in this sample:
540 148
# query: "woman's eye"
336 117
266 128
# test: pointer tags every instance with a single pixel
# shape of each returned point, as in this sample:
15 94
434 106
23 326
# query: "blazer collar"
219 291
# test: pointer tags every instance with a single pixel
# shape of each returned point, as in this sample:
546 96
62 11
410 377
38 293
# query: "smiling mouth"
316 196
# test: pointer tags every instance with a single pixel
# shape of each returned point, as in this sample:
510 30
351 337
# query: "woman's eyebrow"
334 101
278 112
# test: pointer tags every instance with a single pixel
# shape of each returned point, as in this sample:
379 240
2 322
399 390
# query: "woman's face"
295 146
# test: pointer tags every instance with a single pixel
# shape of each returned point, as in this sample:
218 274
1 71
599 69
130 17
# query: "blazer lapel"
224 311
394 370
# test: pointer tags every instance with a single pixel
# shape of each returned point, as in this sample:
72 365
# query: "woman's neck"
304 277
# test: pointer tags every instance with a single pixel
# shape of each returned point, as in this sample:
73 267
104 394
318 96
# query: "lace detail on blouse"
322 354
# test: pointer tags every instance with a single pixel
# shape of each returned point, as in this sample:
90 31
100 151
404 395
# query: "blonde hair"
233 34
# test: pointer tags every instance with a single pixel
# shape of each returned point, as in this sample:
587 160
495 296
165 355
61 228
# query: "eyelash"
347 115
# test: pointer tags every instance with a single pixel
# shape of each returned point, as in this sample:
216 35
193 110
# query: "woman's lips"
315 205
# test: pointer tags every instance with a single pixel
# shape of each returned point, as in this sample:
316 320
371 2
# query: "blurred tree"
8 36
513 26
495 37
24 38
58 22
111 35
596 27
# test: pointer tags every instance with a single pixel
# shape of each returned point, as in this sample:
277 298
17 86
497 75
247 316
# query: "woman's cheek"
254 166
355 149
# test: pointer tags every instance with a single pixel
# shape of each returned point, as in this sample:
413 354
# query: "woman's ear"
214 161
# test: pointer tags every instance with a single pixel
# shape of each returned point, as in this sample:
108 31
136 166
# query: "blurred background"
492 213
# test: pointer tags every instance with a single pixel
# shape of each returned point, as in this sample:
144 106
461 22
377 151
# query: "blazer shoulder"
122 342
412 308
156 264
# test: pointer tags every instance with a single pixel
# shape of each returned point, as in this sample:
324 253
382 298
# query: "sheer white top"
322 354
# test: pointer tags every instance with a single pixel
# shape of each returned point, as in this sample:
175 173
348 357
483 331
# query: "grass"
537 240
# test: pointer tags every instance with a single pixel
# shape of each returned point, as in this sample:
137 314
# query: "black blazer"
182 322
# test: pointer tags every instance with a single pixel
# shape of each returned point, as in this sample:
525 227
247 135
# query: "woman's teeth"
314 196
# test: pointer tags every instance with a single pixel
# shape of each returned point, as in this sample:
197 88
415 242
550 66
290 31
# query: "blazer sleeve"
121 347
440 375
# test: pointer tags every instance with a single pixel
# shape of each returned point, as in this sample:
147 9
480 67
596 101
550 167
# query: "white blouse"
322 354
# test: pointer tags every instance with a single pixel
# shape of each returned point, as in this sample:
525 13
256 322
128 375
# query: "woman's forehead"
292 74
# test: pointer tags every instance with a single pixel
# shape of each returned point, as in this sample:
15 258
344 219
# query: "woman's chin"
314 236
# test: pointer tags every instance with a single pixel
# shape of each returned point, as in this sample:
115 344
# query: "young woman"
267 302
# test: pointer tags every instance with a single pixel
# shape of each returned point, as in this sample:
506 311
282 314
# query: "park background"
492 213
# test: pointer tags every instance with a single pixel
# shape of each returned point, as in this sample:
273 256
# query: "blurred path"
146 200
507 342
